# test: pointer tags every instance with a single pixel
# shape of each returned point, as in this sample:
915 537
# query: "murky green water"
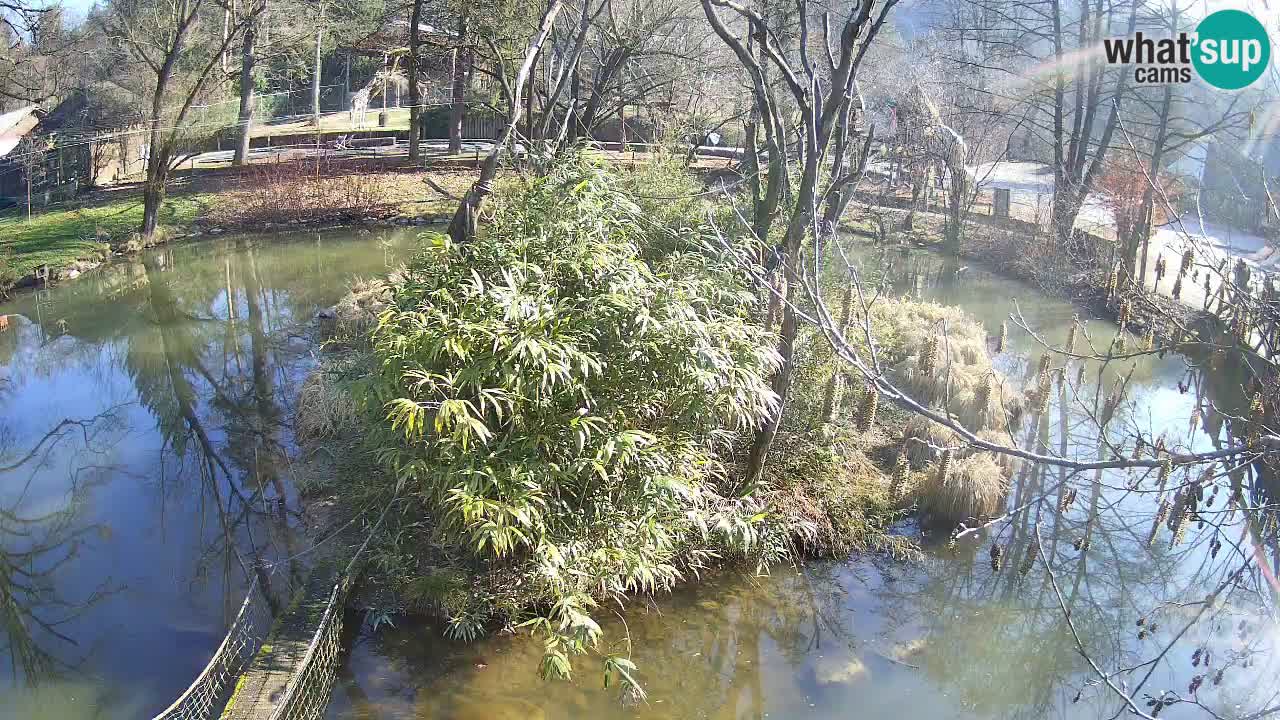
145 416
127 536
949 637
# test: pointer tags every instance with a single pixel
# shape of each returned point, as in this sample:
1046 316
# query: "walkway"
261 690
1031 189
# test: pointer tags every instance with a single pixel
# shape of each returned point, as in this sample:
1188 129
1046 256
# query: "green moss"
235 694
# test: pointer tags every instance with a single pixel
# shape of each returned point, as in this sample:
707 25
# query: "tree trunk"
247 99
1066 207
575 111
566 78
792 248
766 209
466 218
461 58
955 210
315 80
530 111
764 437
1142 231
157 165
415 98
153 191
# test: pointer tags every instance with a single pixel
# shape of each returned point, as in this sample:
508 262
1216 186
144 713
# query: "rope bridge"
290 678
204 696
307 695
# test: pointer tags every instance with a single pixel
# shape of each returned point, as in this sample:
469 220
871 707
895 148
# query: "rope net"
205 697
307 696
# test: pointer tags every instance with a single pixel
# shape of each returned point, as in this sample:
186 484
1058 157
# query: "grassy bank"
72 236
62 236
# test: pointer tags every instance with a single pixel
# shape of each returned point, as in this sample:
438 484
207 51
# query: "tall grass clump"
325 409
941 359
967 489
559 400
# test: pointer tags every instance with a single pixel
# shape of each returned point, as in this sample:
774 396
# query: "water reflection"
958 635
127 544
35 542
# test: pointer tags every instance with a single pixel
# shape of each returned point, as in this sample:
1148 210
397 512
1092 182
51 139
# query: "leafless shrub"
299 192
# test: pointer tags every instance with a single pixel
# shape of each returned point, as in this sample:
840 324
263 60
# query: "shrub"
561 406
301 192
828 487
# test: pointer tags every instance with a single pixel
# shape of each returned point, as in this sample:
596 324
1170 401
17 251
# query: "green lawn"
60 236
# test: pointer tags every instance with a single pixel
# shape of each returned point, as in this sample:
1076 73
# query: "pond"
145 479
145 437
953 635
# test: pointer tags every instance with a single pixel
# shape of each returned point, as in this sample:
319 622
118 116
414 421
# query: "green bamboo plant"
563 402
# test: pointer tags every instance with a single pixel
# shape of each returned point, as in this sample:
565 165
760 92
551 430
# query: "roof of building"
15 125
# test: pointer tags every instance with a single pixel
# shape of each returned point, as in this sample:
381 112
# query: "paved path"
1031 188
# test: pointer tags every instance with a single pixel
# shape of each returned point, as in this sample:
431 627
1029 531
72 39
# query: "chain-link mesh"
209 691
307 695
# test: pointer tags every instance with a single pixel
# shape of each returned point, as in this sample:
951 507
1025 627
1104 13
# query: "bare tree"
176 55
415 95
36 51
822 96
248 82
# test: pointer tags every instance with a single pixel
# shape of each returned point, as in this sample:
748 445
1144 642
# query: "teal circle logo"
1232 49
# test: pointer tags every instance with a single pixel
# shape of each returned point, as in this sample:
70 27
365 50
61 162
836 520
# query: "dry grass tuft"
957 374
973 489
325 408
917 321
924 438
988 406
357 312
1008 462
